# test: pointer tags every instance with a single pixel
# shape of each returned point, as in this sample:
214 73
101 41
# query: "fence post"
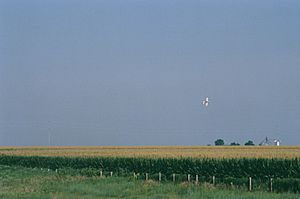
197 180
101 173
111 173
271 184
159 176
173 177
214 180
250 184
146 176
189 177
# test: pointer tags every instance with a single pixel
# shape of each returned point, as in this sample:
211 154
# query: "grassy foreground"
19 182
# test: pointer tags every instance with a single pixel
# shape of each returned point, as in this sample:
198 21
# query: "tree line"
220 142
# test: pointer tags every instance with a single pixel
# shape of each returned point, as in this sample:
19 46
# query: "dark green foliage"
234 181
249 143
219 142
221 168
287 184
155 176
257 184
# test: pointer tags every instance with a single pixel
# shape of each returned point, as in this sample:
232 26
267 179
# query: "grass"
19 182
159 151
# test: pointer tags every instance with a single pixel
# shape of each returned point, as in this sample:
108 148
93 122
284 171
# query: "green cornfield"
238 168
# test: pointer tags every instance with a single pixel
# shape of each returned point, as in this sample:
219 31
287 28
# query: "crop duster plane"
206 102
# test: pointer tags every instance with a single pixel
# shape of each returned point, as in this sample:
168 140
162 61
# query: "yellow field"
159 151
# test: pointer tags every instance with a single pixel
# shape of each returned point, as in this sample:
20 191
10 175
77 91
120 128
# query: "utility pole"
49 139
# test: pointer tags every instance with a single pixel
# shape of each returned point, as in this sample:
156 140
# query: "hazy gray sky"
135 72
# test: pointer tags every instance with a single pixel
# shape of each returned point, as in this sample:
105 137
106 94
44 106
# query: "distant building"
276 142
270 142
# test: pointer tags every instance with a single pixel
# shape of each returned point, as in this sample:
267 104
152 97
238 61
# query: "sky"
135 72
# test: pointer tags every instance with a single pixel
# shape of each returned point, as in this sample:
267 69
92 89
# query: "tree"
249 143
219 142
234 144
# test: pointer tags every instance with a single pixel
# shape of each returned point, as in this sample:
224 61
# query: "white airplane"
206 102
